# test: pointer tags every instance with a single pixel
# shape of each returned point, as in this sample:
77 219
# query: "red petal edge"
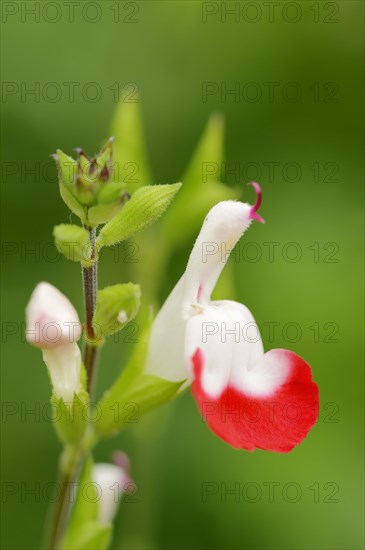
276 423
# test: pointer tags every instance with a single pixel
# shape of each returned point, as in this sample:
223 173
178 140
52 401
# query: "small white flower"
54 326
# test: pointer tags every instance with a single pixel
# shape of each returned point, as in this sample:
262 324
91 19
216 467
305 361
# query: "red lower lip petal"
274 423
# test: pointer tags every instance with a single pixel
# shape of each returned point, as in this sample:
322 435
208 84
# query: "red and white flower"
249 398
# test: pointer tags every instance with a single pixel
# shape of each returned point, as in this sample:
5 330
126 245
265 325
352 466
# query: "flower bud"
93 173
87 185
53 325
51 318
112 481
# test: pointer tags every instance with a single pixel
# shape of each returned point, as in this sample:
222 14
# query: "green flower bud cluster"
87 186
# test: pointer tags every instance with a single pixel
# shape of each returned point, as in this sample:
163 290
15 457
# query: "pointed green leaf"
206 162
130 158
146 206
115 306
123 406
202 188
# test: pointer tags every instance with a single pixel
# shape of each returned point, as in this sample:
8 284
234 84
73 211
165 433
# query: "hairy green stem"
90 283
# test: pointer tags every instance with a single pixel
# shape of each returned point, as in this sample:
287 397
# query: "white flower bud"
53 325
112 481
51 318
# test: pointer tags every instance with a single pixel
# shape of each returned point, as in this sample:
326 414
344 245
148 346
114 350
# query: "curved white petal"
224 225
166 346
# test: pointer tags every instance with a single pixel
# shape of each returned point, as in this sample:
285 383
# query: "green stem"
69 465
73 456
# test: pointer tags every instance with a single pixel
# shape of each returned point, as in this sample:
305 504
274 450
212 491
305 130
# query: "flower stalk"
70 465
90 191
73 456
90 284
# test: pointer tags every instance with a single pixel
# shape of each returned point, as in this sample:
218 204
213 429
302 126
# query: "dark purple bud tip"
253 211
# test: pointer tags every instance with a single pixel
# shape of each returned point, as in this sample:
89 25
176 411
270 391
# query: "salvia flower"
52 324
112 481
249 398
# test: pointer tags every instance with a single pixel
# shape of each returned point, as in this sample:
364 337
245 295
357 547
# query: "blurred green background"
169 50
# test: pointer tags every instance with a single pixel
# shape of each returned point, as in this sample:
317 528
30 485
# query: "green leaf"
67 169
122 406
73 242
133 393
130 158
83 531
206 162
146 206
202 188
70 420
115 306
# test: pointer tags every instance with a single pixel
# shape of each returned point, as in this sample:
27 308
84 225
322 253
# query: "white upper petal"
178 326
222 228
